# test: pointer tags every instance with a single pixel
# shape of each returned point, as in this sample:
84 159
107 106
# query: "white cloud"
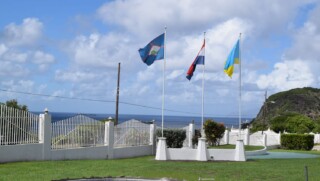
28 33
145 17
74 76
98 50
3 49
287 75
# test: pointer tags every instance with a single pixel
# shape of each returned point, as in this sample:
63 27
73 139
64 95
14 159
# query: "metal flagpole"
163 76
240 86
204 41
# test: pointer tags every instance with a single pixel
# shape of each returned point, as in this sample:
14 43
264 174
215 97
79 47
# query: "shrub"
300 124
196 136
297 141
214 131
174 137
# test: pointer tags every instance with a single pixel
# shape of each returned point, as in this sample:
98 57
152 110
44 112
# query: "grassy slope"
147 167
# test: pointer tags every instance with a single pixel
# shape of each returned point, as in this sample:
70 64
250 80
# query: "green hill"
303 101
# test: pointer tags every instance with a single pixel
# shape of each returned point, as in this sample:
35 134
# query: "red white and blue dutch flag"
198 60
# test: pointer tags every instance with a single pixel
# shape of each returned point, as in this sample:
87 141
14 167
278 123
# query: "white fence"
78 131
131 133
17 126
88 139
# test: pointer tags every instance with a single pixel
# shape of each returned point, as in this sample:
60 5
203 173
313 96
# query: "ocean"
169 121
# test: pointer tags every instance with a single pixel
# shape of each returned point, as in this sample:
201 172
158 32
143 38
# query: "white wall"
181 154
221 154
80 153
12 153
128 152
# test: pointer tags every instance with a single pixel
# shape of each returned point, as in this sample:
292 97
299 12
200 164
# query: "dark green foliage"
297 141
14 104
299 124
214 131
174 137
196 136
303 101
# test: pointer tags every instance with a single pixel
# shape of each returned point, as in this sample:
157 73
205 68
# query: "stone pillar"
191 134
161 153
239 151
202 150
45 134
226 136
109 138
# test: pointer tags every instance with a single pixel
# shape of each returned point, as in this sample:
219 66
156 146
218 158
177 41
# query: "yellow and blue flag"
233 58
153 50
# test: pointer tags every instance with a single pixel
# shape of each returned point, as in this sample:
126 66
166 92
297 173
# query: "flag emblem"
154 50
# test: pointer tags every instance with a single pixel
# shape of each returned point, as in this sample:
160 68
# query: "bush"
300 124
196 136
174 137
214 131
297 141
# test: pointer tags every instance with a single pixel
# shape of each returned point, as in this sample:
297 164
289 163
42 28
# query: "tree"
14 104
214 131
13 128
300 124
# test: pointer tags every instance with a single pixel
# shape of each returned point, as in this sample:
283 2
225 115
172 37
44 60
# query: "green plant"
214 131
297 141
174 137
196 136
299 124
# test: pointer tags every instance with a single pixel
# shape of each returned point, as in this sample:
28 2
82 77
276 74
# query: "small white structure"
201 153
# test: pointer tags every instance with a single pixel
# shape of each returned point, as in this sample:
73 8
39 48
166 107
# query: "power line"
105 101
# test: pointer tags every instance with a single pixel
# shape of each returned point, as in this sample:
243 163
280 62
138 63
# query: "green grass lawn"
147 167
246 147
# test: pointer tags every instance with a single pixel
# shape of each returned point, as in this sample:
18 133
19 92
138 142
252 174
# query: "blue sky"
72 49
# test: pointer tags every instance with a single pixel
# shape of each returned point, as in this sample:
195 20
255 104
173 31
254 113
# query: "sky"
72 49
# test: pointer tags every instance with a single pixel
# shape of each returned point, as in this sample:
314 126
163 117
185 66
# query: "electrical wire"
106 101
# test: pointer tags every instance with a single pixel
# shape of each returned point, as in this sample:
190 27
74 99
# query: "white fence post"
45 134
153 136
109 138
264 139
226 137
247 136
191 133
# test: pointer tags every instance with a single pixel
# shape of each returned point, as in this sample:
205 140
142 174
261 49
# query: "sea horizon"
170 121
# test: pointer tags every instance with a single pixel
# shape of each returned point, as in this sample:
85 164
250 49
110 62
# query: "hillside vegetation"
296 106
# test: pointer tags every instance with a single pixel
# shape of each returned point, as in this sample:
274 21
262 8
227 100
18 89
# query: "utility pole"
117 97
264 111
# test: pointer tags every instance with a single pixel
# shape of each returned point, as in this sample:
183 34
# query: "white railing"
131 133
78 131
18 126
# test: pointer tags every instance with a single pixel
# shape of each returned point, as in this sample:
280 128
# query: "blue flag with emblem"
153 50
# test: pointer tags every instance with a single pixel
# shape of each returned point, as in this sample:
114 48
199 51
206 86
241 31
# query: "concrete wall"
128 152
221 154
12 153
80 153
181 154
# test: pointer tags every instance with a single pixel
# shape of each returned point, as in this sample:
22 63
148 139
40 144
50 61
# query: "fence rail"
78 131
18 126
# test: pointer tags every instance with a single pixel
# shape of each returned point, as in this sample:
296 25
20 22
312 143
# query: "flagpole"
204 50
240 86
163 77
